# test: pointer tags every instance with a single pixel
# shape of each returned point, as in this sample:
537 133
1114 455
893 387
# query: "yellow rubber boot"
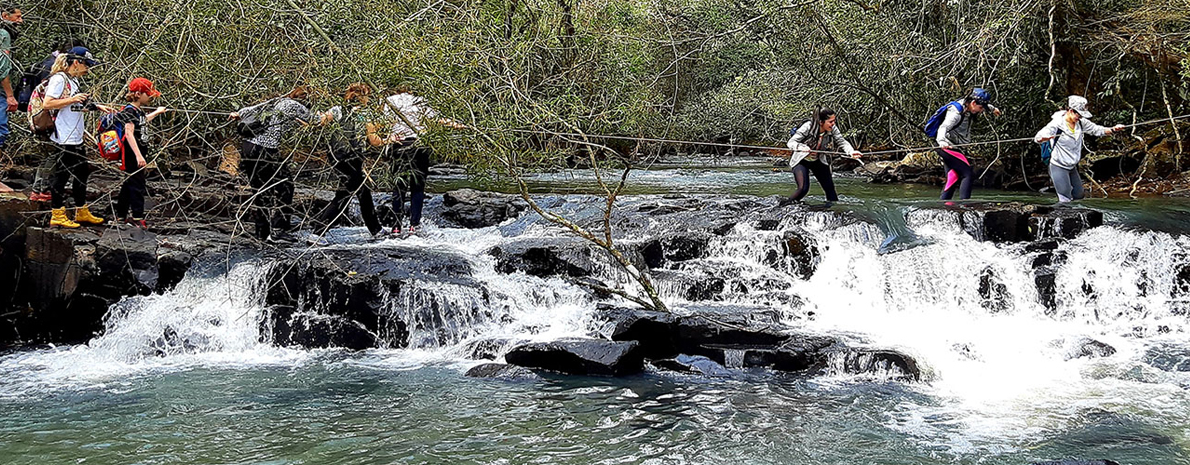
83 215
58 218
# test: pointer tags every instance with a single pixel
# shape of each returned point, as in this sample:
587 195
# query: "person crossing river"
817 135
953 125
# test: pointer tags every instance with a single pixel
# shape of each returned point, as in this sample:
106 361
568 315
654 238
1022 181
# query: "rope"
761 147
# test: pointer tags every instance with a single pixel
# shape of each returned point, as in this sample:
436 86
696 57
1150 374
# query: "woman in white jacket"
1066 130
808 140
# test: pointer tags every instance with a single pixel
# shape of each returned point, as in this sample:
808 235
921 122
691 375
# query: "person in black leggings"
812 137
357 134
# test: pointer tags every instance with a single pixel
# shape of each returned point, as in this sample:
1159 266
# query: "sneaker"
137 222
40 197
396 231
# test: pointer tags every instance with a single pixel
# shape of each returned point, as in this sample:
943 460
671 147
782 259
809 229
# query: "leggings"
132 191
411 165
1067 182
70 166
958 174
351 171
822 172
269 174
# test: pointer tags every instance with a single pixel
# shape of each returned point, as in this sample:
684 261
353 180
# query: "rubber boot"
58 218
83 215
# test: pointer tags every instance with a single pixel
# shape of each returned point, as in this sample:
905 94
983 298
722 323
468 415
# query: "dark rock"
128 258
1089 348
475 209
696 331
171 268
502 371
1077 462
675 247
580 357
654 331
545 257
693 364
1043 245
1065 223
1045 280
874 361
993 292
797 254
486 349
1049 259
382 289
316 331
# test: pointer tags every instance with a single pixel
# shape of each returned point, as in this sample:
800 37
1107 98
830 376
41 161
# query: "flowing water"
1002 385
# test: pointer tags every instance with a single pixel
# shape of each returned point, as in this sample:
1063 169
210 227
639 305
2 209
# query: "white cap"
1079 104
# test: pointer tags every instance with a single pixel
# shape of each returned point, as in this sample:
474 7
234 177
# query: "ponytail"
60 64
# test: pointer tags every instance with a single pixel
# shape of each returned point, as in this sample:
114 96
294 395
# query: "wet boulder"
796 253
729 326
545 257
470 208
501 371
291 328
993 293
486 349
128 257
580 357
674 248
1085 348
1064 223
798 353
404 296
654 331
1168 357
884 363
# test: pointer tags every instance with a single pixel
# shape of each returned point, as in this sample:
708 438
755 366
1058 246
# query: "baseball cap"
84 54
982 97
1079 104
143 86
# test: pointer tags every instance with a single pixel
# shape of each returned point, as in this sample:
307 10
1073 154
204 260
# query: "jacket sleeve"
1091 128
1050 130
953 117
841 142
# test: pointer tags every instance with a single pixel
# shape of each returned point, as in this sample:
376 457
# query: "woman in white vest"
815 136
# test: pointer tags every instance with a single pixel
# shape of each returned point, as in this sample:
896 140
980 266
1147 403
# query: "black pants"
269 175
822 172
132 191
70 166
411 166
960 180
351 182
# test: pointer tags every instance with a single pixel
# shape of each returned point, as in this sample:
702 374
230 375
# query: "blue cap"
83 54
981 96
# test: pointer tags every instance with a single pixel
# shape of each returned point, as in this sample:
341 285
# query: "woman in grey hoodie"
1066 130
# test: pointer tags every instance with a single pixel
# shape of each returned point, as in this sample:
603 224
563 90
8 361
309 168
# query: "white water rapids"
995 376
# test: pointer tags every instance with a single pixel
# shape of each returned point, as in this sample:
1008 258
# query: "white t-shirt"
415 110
69 123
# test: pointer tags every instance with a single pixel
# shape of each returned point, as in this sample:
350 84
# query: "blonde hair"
59 64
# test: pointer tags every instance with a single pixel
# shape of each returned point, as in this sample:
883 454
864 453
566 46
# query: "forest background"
731 71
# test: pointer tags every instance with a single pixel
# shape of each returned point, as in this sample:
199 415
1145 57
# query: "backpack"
934 122
254 120
111 138
41 120
1047 149
29 80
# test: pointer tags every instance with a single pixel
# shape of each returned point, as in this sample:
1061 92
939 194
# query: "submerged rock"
1017 222
1086 348
580 357
880 362
1077 462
